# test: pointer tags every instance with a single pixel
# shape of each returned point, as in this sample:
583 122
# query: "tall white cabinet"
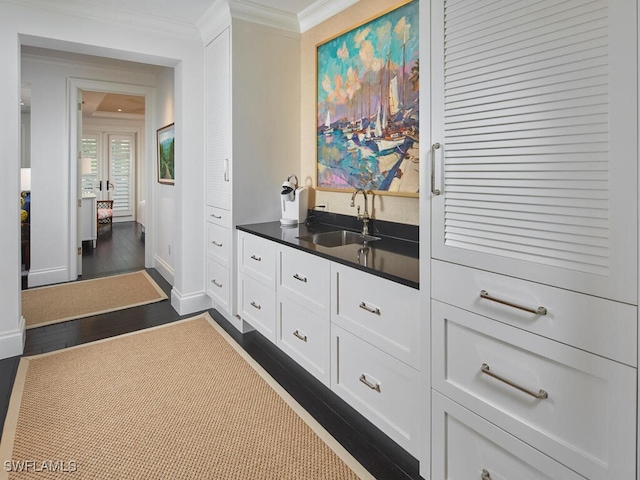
252 87
534 240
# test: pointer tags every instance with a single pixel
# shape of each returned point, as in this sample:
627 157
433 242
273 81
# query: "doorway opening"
111 144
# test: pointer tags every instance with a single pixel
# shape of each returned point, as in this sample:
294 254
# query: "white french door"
112 173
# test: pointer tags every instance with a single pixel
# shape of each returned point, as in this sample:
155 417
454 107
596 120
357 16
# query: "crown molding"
221 13
320 11
103 13
214 20
271 17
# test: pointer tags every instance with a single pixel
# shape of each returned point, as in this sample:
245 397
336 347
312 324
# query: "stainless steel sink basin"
337 238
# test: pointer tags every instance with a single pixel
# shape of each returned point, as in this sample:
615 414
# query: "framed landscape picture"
166 158
367 122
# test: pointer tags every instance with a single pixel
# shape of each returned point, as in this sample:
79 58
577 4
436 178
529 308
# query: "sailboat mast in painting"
368 106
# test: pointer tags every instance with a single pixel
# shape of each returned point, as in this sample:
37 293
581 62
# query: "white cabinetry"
375 351
534 214
89 219
304 310
355 332
257 295
245 169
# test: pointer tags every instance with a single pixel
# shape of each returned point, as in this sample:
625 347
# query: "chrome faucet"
365 216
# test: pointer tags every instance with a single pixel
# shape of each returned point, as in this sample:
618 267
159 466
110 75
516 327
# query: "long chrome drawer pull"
541 395
257 259
298 277
372 386
219 285
216 244
538 311
434 190
485 474
301 337
366 307
216 216
256 305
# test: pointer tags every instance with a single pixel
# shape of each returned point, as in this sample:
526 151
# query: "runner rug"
68 301
179 401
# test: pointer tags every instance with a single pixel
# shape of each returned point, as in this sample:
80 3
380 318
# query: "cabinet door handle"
372 386
301 337
257 259
298 277
434 147
540 395
216 244
256 305
485 474
216 216
226 169
219 285
538 311
374 310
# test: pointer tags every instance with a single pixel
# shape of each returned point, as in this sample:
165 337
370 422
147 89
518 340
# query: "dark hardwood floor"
120 247
374 450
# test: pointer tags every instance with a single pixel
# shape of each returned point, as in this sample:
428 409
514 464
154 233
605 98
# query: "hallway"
120 248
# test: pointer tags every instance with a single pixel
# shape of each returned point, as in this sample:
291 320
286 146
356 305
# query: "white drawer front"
257 258
218 216
587 422
305 278
380 311
304 336
218 284
380 387
466 447
593 324
258 306
218 239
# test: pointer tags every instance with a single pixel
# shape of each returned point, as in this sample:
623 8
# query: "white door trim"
73 86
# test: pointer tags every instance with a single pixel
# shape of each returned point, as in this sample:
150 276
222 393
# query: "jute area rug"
60 303
179 401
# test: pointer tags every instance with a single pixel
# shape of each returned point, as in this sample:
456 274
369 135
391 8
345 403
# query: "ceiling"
190 11
100 104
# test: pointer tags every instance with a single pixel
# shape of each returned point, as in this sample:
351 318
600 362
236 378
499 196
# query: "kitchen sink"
337 238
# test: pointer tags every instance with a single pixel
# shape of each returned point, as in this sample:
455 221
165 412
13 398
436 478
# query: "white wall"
21 24
165 194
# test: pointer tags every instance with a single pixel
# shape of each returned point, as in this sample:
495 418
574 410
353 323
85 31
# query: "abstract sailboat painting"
368 132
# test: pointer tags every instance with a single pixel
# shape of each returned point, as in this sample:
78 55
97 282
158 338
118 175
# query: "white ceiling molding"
320 11
214 20
100 12
271 17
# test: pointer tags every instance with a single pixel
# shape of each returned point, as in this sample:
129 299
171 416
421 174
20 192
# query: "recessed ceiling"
97 103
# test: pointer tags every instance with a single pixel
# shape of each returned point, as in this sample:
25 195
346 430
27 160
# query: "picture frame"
166 155
367 112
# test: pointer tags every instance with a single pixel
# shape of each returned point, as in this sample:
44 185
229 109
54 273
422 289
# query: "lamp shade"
25 179
86 166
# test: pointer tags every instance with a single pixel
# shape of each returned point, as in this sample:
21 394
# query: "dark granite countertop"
390 257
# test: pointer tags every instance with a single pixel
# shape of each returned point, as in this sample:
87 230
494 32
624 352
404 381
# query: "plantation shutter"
537 144
121 154
90 149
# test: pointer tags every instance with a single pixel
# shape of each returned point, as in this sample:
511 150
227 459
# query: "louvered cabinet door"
535 165
218 98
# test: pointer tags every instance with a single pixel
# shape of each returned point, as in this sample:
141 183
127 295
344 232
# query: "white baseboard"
12 343
190 303
164 269
47 276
